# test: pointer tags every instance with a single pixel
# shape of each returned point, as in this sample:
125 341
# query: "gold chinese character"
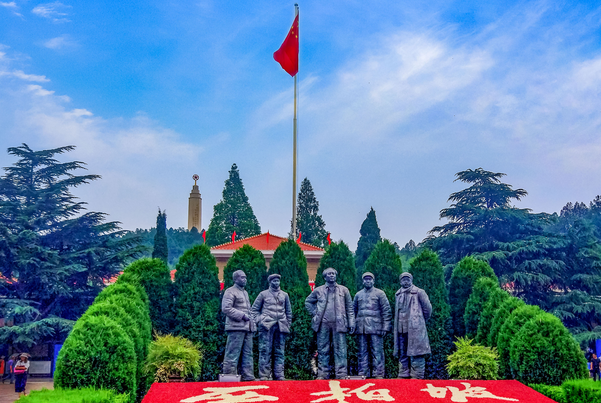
338 393
457 395
227 395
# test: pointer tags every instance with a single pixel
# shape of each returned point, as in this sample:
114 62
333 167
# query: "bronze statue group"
334 314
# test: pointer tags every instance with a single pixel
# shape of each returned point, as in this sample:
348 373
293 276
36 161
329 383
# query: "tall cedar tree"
252 262
385 264
232 213
428 274
338 256
197 306
481 292
465 274
56 254
161 250
290 262
309 222
155 277
370 236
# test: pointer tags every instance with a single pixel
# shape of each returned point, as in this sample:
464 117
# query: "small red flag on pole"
287 54
329 239
234 236
204 236
300 234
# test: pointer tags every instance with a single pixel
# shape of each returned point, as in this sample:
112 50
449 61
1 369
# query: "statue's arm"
386 313
426 305
310 303
348 302
227 306
356 304
257 307
288 308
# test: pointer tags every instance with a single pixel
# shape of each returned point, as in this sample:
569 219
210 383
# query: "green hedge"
481 292
491 307
501 315
582 391
552 392
86 395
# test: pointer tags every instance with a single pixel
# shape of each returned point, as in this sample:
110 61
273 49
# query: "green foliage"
179 240
290 262
385 264
160 249
481 293
173 356
252 263
472 361
370 236
428 274
495 299
465 274
544 351
84 395
582 391
197 307
501 315
338 256
55 254
98 353
155 277
508 332
232 213
557 393
309 222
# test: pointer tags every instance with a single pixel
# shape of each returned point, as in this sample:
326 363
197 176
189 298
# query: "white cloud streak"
55 12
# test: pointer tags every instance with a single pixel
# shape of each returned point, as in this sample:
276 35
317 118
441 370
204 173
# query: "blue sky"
395 98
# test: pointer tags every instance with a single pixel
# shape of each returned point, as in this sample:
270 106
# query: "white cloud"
60 42
53 11
20 74
11 4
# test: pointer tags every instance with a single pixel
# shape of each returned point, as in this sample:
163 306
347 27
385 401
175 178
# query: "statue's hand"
383 333
351 330
245 318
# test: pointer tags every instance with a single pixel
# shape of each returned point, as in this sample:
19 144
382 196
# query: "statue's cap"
272 276
368 274
329 270
406 274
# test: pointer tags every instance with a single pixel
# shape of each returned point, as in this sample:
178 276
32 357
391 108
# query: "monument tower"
195 207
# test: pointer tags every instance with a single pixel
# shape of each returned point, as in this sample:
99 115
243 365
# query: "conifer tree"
370 236
505 310
309 222
481 292
491 307
232 213
428 274
197 306
160 250
338 256
252 262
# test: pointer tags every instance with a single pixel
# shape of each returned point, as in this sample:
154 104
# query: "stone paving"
7 391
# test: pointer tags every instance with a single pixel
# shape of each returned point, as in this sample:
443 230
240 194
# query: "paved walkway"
7 391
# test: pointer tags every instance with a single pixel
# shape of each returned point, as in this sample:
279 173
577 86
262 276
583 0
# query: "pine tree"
160 250
252 262
197 306
309 222
56 254
370 236
338 256
428 274
232 213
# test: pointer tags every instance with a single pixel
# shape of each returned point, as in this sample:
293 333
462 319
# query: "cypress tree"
232 213
160 250
338 256
465 274
370 236
491 307
474 306
428 274
308 220
252 263
197 306
290 262
505 310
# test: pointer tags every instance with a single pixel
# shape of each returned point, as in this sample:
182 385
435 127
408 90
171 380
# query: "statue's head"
368 280
239 278
406 280
274 281
329 275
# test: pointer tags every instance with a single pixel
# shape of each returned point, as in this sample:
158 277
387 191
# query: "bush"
155 277
339 256
474 306
508 331
172 356
556 393
252 262
582 391
290 262
428 274
544 351
464 276
501 315
98 353
472 361
86 395
491 307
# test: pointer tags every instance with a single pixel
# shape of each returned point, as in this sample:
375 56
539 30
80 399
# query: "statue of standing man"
331 307
411 344
240 328
374 318
272 313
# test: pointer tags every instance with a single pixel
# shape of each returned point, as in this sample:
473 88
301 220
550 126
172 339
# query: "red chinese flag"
300 234
234 236
287 54
329 239
204 236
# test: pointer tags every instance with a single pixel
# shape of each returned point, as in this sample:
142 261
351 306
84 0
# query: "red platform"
349 391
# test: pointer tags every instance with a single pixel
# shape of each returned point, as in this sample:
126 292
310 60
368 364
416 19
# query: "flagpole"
294 150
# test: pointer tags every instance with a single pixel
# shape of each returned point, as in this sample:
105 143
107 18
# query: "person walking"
595 367
11 369
20 371
2 367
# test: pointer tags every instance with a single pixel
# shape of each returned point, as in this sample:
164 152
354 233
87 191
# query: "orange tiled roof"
264 241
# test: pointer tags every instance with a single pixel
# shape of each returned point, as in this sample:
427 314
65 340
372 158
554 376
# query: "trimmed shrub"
464 276
472 361
289 261
582 391
428 274
155 277
491 307
197 307
85 395
252 262
98 353
505 310
544 351
172 356
474 306
552 392
508 331
339 256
